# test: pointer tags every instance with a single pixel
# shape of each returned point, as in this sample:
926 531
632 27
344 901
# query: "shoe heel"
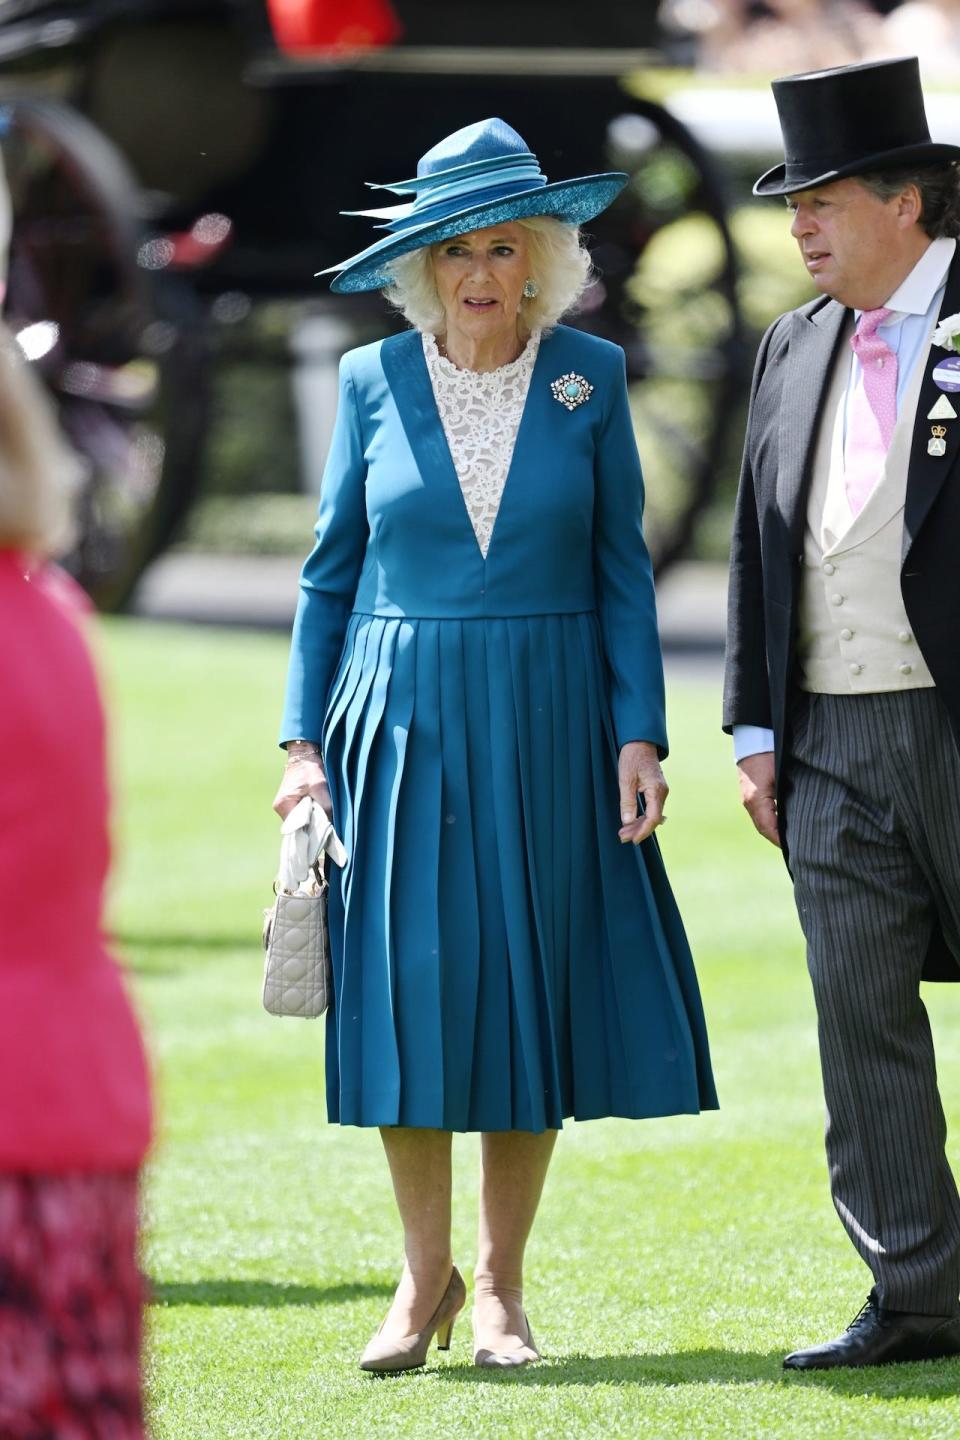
445 1334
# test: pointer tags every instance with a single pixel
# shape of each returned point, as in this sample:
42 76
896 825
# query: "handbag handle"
318 872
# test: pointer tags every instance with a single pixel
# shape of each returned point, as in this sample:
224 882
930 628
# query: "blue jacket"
393 537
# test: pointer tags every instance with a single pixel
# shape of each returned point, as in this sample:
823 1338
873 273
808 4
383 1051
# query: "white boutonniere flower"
946 333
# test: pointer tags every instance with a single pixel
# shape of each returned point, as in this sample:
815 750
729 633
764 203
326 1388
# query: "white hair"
36 468
559 267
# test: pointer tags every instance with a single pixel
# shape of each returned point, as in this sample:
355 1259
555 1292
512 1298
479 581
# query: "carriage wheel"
122 356
667 293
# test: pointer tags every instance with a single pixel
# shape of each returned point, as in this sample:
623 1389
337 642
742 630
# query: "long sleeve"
328 581
624 576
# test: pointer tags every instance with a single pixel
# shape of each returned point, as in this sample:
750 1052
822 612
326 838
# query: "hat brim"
573 201
777 182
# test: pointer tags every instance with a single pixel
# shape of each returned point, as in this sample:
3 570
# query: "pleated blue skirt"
501 961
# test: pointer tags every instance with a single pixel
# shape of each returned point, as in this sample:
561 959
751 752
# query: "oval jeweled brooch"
571 390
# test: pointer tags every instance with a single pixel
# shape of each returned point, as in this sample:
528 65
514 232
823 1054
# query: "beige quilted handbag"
296 973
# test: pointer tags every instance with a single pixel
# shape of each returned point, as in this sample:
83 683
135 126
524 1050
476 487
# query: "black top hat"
849 121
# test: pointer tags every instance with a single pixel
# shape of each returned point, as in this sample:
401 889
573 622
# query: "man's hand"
640 771
758 793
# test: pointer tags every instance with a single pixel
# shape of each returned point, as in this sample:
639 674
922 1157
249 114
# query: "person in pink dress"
75 1114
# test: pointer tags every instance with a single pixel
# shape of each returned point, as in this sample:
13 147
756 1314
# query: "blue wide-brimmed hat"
481 175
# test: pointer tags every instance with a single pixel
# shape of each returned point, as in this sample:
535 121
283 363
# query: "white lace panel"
480 413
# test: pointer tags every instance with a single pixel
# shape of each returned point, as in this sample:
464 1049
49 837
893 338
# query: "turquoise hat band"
454 204
441 201
522 175
572 201
479 176
439 177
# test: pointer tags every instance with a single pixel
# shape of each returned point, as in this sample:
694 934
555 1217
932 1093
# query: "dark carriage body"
212 117
209 117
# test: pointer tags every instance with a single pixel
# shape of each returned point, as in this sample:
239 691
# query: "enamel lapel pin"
946 377
937 444
942 410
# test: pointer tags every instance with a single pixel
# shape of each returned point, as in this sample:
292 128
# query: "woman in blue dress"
476 687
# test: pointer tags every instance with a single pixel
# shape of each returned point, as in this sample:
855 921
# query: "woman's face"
480 279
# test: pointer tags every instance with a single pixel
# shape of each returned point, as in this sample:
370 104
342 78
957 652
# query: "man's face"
856 247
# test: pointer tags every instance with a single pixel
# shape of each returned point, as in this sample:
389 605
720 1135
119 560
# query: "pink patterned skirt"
71 1301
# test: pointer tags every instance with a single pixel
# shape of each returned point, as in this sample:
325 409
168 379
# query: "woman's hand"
640 770
303 775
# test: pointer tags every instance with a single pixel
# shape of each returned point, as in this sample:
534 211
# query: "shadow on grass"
265 1293
926 1379
930 1380
159 954
686 1367
125 940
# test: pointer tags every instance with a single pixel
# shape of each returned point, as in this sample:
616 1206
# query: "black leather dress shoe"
883 1337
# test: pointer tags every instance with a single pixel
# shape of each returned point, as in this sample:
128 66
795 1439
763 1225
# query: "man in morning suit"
843 667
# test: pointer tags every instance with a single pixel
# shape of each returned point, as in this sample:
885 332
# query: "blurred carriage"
174 173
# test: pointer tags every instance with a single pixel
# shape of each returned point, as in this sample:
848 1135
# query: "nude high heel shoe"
410 1352
525 1354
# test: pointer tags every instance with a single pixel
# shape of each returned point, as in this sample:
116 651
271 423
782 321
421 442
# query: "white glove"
307 833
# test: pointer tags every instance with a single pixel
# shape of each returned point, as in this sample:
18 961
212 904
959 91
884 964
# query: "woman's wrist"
302 750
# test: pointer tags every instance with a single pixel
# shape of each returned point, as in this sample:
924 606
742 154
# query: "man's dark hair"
939 187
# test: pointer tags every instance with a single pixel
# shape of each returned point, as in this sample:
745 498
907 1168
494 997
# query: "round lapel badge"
946 373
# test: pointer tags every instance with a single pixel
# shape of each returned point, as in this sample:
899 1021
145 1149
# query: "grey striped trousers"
872 817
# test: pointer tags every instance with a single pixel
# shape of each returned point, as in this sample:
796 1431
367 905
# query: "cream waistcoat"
853 633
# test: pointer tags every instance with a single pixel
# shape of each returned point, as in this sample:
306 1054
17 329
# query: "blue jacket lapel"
535 420
406 370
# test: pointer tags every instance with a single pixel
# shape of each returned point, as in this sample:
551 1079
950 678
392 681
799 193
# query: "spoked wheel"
122 355
667 293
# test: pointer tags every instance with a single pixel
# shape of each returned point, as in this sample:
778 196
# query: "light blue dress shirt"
915 303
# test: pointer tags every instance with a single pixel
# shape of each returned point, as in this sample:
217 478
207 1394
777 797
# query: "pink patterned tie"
873 409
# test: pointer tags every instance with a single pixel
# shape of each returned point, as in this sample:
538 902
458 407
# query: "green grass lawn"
674 1261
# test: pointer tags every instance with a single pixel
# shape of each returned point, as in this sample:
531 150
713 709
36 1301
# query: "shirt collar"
916 294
